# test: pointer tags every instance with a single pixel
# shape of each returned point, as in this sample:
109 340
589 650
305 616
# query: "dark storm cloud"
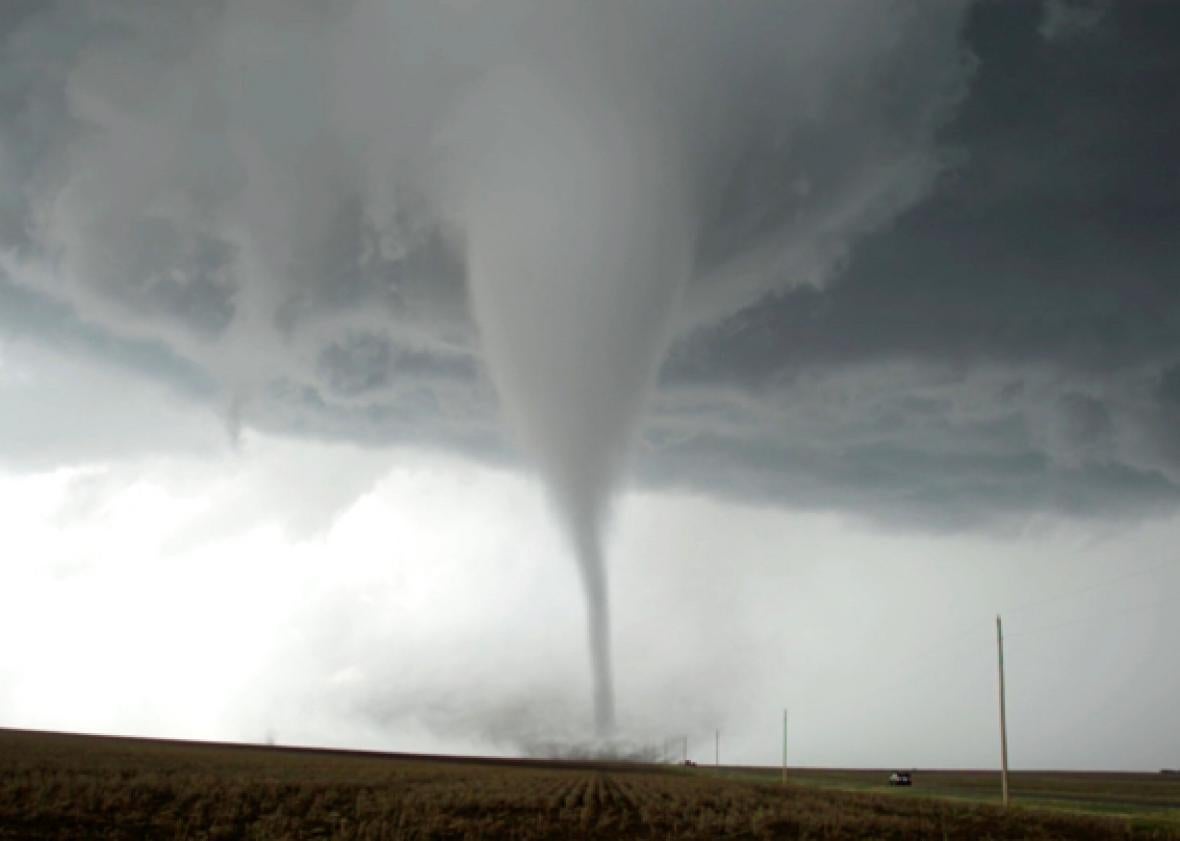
25 315
163 274
914 467
1049 254
364 363
1069 18
1169 387
937 284
1054 240
1086 421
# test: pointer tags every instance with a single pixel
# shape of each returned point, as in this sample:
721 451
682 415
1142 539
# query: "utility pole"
686 750
717 748
1003 715
784 745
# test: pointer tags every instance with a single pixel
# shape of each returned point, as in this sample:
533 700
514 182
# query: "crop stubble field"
65 786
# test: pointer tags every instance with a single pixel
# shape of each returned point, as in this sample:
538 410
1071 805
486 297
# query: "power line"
1089 618
920 676
826 632
1090 587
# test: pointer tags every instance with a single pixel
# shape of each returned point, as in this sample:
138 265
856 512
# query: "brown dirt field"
67 786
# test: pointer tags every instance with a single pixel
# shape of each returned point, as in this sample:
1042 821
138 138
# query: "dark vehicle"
900 778
688 763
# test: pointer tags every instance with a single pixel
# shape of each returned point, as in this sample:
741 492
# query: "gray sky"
326 337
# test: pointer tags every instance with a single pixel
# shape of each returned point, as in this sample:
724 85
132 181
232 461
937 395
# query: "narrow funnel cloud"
578 247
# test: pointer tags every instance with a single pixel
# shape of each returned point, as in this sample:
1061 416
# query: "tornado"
578 245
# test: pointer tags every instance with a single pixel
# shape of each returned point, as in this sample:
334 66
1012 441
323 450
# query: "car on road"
901 778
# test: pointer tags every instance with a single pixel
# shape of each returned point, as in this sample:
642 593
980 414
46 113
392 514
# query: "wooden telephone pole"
1003 714
784 745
